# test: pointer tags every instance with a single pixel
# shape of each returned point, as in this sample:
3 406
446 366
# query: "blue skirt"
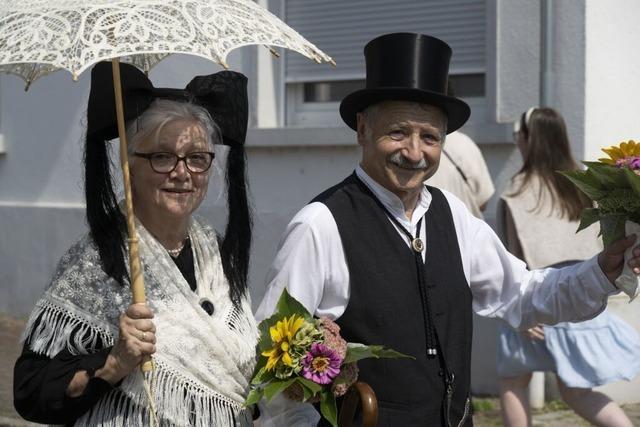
584 355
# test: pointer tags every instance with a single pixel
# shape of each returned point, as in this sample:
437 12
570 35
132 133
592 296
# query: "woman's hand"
535 333
137 339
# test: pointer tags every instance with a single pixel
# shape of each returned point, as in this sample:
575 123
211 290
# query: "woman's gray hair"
164 111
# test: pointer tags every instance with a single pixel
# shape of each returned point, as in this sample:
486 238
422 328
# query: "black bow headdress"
224 96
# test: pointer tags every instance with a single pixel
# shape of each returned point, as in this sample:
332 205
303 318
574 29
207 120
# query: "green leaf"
609 176
588 217
254 396
309 385
612 228
328 407
262 376
276 386
357 351
633 180
288 305
586 182
309 388
265 342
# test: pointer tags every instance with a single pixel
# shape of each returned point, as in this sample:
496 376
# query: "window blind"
341 28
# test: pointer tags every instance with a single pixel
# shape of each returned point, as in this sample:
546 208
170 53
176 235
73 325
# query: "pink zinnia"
321 364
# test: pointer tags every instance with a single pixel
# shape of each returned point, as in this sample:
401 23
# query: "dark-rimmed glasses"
165 162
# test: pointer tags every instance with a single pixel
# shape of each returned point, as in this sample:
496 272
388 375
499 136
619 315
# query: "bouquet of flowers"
613 183
306 358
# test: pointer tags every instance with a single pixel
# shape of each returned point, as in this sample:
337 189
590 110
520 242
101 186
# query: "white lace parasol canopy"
41 36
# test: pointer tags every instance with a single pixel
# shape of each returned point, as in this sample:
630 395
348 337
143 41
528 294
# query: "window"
342 28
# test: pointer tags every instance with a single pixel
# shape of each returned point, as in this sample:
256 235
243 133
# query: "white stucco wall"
612 83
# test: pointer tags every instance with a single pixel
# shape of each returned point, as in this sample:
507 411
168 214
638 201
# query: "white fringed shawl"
203 363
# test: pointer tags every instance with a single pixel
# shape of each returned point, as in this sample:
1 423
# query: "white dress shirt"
311 263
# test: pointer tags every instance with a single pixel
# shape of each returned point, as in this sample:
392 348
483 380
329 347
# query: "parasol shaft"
137 281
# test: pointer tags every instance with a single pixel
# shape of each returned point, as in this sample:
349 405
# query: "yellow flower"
621 152
281 335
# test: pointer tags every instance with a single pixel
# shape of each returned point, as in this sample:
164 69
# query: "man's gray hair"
164 111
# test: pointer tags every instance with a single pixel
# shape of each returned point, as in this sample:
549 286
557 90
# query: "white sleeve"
310 263
502 286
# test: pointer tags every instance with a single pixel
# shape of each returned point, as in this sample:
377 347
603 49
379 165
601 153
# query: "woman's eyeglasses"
164 162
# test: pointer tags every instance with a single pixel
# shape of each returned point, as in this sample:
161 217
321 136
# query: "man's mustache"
402 162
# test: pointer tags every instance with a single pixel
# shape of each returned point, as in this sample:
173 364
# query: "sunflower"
622 153
282 334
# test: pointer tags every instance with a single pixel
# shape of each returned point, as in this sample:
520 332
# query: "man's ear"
360 128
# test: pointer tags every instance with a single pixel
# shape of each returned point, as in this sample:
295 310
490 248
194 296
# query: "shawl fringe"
51 329
180 402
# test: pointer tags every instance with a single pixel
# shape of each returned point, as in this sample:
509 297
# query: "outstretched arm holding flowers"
613 183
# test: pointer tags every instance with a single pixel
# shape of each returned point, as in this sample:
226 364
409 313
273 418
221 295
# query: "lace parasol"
41 36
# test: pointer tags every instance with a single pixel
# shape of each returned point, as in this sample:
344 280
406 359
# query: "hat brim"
456 110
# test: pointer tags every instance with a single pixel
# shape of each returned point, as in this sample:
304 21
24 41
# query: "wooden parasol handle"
137 281
362 393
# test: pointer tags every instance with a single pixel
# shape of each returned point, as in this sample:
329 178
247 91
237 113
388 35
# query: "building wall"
612 86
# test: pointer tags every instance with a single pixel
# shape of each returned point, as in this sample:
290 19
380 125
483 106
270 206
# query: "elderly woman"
85 340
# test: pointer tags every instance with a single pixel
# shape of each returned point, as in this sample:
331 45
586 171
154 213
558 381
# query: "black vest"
385 307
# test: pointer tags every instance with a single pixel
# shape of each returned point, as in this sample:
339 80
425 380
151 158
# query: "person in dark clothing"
85 339
402 264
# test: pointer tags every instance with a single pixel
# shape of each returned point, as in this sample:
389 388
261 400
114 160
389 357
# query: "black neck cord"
417 246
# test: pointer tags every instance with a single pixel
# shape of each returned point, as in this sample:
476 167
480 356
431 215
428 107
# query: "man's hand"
611 260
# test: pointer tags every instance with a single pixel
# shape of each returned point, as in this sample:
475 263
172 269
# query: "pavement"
487 414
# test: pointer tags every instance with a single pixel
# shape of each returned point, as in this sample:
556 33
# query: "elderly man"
403 264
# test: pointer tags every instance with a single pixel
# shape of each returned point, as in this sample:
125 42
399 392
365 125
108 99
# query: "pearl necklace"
175 252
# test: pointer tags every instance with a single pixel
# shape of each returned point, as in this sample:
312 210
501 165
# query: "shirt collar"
393 203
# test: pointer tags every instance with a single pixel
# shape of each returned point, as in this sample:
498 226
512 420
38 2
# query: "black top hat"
406 67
